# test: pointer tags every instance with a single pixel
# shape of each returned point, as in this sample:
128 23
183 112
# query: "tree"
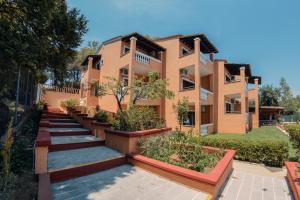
154 88
74 66
37 36
287 100
182 110
269 95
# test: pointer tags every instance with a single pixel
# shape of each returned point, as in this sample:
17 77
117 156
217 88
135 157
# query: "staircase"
74 151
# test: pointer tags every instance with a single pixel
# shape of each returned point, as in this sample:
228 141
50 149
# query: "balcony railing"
205 93
60 89
204 58
143 58
204 128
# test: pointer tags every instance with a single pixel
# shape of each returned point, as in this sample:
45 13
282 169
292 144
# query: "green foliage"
101 116
269 95
5 151
21 180
154 88
294 132
40 36
269 152
137 118
287 99
70 103
181 109
175 149
74 66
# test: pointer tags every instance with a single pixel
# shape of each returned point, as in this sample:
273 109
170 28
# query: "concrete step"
62 120
59 143
68 164
56 116
69 131
64 125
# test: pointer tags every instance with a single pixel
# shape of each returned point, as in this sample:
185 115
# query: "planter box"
293 179
210 183
87 122
98 129
126 142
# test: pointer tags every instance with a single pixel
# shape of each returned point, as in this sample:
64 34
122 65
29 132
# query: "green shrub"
136 119
294 132
70 103
171 149
101 116
269 152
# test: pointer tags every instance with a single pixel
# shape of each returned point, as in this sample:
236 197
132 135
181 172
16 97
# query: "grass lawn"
263 133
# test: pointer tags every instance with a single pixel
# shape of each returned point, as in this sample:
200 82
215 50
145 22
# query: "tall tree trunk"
17 96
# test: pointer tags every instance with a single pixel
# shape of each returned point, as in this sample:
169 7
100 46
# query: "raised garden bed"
126 142
210 182
293 178
176 157
98 129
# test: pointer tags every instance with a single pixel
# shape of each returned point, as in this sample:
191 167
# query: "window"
228 78
228 107
125 81
126 49
251 106
190 120
184 51
99 64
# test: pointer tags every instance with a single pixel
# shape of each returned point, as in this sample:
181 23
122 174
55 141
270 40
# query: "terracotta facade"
217 90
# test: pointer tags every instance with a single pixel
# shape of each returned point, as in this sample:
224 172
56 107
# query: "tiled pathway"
123 183
244 185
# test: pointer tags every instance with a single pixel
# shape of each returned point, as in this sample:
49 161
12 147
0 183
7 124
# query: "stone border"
293 180
126 142
133 134
44 187
210 183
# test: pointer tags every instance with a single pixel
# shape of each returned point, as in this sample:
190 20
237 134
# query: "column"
255 121
131 61
197 84
243 96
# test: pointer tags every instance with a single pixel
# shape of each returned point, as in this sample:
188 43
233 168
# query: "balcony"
206 96
206 128
145 59
205 59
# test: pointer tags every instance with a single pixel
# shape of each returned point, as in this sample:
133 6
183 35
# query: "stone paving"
123 183
256 182
71 158
73 139
67 129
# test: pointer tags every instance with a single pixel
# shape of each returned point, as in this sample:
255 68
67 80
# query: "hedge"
294 132
269 152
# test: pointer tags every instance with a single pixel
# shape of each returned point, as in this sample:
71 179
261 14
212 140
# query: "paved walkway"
124 183
256 182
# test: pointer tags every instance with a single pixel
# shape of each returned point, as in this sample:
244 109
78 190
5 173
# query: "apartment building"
223 96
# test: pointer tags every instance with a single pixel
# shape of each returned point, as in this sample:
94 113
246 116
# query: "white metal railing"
204 58
204 128
61 89
143 58
205 93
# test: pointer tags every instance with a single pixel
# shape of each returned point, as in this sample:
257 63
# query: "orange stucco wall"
54 99
169 67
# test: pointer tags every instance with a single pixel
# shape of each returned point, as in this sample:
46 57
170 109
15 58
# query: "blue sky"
264 33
